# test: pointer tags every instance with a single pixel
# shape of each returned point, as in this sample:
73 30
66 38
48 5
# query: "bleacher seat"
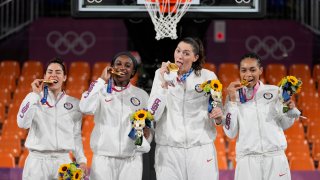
7 160
274 73
302 163
32 68
10 67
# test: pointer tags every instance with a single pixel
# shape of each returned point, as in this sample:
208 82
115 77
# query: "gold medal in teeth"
244 82
173 67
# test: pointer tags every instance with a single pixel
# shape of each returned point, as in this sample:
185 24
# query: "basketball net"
165 15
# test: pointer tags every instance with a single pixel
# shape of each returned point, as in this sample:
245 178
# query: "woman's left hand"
84 168
216 114
146 132
290 104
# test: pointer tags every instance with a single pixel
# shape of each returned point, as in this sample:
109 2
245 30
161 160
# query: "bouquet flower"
140 119
70 172
289 85
214 89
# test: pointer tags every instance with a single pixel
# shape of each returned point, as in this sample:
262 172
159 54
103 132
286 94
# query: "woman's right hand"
164 68
37 86
232 90
106 73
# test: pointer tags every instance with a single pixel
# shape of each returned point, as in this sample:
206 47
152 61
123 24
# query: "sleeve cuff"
293 113
101 81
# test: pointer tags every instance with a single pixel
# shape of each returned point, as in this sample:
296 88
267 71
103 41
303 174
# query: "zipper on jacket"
259 124
56 126
184 120
121 96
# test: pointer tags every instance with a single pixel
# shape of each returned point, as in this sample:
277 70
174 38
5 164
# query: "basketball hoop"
165 15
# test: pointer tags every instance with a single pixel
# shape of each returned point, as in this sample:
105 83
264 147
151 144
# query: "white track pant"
261 167
111 168
196 163
44 166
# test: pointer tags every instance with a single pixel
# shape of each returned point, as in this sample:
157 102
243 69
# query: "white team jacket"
56 128
112 118
181 112
260 122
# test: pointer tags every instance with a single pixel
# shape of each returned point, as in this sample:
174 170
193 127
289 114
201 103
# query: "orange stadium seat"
211 67
296 131
2 113
222 162
220 146
274 73
24 82
301 71
7 161
20 94
316 72
313 132
307 99
97 69
220 132
10 67
232 148
23 158
312 114
10 144
297 148
87 125
76 92
228 69
308 86
134 79
75 81
305 164
10 127
316 150
8 81
80 69
32 68
5 95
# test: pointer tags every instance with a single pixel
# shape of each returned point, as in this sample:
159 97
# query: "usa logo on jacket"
68 105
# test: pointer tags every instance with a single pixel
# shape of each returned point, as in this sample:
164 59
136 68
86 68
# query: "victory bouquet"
70 172
140 119
289 85
214 89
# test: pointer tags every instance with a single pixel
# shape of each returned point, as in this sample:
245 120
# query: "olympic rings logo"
71 41
242 1
92 1
270 46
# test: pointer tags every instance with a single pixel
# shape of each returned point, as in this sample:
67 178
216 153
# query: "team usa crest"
268 95
197 88
135 101
68 105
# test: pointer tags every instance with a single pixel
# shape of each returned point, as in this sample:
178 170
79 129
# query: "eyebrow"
54 70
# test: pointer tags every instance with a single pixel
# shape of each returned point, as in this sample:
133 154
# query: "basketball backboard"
199 8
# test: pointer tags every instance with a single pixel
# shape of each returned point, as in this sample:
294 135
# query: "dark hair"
252 56
128 54
198 49
58 61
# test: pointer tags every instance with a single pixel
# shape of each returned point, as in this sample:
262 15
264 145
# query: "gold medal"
173 67
49 81
116 72
244 83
